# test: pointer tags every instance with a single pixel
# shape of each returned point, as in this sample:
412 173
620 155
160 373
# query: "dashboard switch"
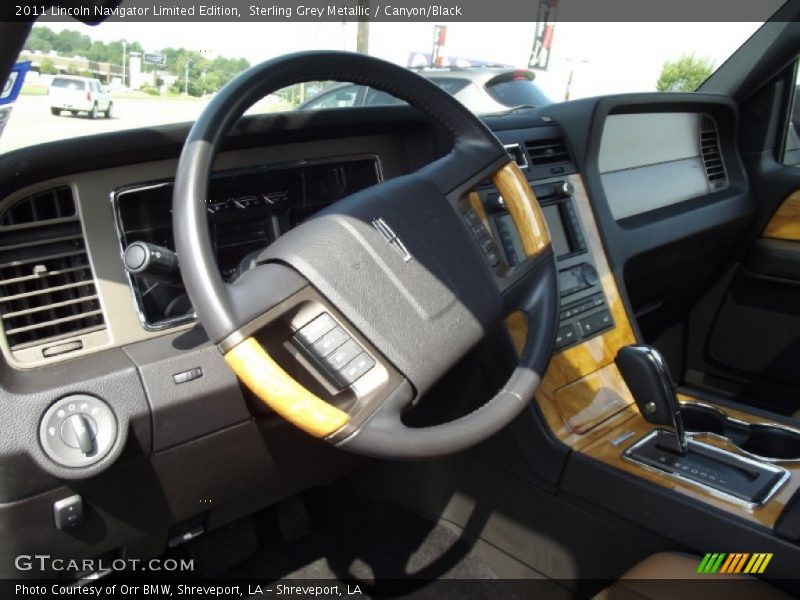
68 512
189 375
79 431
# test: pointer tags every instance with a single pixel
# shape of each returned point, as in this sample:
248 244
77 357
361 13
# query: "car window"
451 85
344 97
379 98
161 74
68 84
518 91
791 148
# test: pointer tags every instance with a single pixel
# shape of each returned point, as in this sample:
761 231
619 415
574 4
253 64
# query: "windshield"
148 74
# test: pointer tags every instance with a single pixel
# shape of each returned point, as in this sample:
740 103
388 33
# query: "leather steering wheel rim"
475 150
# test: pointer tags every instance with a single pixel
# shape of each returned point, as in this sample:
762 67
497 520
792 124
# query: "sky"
604 58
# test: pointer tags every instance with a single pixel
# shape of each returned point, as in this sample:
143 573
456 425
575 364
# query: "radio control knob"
565 189
589 274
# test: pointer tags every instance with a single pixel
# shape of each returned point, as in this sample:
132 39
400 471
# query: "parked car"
80 94
483 90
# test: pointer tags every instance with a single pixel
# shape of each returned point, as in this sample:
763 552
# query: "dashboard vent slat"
57 203
712 155
47 286
548 152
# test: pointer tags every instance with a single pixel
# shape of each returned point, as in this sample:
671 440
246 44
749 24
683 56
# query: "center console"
584 307
729 460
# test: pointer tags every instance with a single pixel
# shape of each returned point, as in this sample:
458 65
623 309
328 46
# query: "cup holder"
770 442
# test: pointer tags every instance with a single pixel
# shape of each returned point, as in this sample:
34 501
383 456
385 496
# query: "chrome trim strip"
724 415
117 193
707 488
522 153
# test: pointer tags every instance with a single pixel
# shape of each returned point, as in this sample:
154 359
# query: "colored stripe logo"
736 562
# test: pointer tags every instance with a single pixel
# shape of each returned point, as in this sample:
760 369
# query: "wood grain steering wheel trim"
281 392
523 207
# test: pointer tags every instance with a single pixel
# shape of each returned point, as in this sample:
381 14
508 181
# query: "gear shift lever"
648 379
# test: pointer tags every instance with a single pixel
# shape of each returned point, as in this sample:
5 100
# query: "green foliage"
48 67
206 76
685 74
149 89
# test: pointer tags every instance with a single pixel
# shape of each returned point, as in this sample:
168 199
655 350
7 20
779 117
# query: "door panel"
785 223
756 334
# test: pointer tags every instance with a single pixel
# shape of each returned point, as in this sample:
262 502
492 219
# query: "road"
31 121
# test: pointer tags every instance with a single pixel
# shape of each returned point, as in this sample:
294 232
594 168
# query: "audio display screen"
558 234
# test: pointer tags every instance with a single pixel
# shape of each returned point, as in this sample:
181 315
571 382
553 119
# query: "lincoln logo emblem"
391 238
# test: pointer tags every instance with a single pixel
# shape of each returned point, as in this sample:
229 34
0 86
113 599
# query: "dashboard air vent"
550 157
47 288
712 157
548 152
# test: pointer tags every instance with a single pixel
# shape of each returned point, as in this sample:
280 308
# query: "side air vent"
550 156
47 288
712 156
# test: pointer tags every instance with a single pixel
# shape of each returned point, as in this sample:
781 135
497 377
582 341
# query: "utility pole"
124 55
186 78
362 36
572 64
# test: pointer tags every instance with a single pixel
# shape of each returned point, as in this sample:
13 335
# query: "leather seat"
669 575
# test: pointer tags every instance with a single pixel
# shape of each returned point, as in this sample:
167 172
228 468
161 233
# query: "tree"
685 74
48 67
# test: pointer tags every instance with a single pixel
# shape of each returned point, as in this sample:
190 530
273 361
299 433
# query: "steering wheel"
395 274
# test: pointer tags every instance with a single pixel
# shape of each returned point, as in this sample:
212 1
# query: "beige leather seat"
670 575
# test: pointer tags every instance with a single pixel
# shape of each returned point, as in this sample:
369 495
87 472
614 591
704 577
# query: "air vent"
712 157
47 288
548 152
45 206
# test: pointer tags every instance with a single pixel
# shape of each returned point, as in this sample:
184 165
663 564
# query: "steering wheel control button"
356 368
337 359
311 332
329 342
78 430
68 512
482 235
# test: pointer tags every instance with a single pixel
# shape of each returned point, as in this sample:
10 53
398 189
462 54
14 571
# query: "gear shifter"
647 376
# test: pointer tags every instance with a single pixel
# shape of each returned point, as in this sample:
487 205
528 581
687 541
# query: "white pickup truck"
80 94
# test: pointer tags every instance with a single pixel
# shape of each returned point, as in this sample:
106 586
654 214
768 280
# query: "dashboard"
133 340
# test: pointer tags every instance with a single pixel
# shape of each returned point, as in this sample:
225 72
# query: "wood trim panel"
785 223
571 365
